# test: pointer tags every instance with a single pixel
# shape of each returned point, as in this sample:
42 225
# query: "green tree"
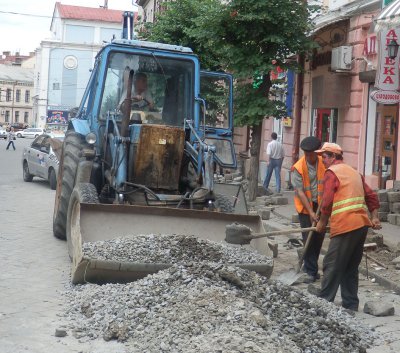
248 38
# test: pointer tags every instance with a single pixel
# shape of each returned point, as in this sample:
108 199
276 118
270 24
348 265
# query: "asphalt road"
34 265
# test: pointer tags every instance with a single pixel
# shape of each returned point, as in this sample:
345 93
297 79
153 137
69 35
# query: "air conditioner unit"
341 58
3 112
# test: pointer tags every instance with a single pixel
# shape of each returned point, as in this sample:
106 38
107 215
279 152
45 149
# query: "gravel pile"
176 249
211 308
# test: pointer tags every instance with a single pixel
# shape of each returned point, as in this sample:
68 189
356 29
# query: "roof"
15 73
88 13
389 17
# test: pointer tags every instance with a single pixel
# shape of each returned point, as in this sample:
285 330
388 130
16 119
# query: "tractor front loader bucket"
97 222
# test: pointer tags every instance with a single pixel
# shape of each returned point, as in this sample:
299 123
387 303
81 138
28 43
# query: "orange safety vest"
349 210
302 169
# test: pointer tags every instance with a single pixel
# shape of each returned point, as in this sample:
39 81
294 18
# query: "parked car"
30 132
3 134
18 126
40 160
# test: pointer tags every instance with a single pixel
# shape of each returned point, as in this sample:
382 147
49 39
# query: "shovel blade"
290 277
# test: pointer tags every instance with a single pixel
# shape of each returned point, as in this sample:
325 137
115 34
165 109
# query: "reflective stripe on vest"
340 206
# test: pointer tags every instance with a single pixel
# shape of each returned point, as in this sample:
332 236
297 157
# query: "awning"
389 17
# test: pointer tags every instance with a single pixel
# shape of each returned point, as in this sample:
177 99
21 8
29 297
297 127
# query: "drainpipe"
298 109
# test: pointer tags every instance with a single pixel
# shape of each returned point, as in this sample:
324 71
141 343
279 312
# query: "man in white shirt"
275 154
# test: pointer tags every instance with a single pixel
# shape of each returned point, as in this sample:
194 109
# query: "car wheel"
19 135
27 175
36 135
82 193
52 179
68 166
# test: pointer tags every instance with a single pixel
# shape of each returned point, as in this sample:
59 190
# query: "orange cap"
330 147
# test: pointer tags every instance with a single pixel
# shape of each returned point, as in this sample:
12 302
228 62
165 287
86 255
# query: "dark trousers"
10 143
340 267
314 248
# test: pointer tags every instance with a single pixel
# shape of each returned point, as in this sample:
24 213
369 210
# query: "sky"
24 23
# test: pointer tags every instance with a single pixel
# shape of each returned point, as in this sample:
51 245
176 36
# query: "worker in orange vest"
306 178
346 201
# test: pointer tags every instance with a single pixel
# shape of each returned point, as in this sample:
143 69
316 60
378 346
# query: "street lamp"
393 49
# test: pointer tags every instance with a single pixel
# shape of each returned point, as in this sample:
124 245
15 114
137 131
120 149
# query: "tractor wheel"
223 203
83 192
70 157
27 175
52 179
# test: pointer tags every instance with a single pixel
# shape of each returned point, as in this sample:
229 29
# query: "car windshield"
162 90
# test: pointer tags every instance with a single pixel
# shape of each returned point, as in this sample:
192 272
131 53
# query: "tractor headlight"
91 138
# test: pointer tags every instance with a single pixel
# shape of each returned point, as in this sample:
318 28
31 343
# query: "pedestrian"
275 155
11 138
307 177
346 201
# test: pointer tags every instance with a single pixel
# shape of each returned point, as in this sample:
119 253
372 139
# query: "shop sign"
385 97
287 122
57 117
387 74
370 45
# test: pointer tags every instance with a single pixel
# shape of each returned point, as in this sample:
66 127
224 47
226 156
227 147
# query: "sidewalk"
281 217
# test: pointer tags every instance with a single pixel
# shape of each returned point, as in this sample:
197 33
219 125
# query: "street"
35 265
35 272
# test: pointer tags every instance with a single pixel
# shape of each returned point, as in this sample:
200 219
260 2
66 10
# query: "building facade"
65 61
16 90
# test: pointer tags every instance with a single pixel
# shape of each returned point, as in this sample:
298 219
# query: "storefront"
382 135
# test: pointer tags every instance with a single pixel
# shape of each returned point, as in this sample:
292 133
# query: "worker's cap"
310 144
330 147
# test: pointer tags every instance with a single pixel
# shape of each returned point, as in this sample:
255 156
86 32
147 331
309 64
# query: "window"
169 87
27 96
7 117
18 95
8 95
26 117
17 116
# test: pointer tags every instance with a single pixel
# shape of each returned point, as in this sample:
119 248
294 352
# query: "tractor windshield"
162 88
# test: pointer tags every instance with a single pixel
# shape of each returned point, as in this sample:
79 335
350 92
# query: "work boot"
314 290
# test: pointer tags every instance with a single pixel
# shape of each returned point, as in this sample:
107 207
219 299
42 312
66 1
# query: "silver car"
3 133
40 160
31 132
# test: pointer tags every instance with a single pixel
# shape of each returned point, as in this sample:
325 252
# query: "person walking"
307 177
275 155
11 138
346 201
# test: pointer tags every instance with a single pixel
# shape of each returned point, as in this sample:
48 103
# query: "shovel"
240 234
291 276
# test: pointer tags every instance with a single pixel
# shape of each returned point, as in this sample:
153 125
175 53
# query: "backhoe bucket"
96 222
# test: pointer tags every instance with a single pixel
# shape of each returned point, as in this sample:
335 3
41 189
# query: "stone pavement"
374 288
34 266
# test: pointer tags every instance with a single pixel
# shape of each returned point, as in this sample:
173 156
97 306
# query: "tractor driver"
141 97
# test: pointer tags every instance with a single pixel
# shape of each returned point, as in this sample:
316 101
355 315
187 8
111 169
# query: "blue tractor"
145 143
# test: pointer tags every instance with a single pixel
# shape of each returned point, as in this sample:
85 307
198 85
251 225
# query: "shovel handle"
282 232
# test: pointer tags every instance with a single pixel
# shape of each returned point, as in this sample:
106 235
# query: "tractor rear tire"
223 203
86 193
70 157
